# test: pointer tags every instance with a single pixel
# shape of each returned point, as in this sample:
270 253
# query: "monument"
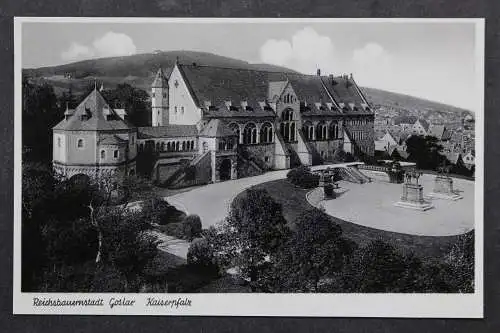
396 173
413 193
443 186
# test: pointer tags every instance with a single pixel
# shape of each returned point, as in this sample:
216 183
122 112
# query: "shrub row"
303 177
189 228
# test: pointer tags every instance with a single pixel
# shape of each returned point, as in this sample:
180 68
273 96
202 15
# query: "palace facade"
213 123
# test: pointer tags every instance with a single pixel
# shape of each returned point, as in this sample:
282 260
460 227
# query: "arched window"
103 154
158 146
59 142
308 130
205 147
79 143
334 130
177 146
266 133
321 131
115 154
183 145
222 144
192 145
175 109
236 129
162 146
182 110
287 115
250 134
292 131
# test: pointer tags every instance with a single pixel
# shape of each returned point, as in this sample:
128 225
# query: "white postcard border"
304 305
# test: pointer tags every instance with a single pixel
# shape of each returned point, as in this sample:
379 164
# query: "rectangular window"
115 154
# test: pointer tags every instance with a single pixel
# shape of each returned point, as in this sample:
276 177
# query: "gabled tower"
159 100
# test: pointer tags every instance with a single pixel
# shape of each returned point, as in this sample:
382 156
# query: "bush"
175 229
329 193
200 254
188 229
192 227
302 177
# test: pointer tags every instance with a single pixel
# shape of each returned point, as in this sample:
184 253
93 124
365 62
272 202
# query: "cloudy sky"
430 60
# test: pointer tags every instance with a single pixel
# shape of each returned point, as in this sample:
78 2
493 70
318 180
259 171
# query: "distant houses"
458 144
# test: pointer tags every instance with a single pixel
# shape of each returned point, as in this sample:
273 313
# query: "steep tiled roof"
219 85
424 123
113 140
437 131
275 89
343 90
168 131
215 129
93 114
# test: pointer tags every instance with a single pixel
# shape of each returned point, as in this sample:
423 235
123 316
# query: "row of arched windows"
288 99
322 131
172 146
266 134
226 144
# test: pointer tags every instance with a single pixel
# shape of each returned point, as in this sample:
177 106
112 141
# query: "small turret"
159 100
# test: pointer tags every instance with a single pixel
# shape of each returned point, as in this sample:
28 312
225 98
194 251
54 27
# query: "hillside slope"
139 70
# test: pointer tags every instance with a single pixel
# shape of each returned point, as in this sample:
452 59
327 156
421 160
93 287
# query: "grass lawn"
294 203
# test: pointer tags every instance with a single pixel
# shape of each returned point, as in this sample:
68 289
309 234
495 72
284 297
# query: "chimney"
318 72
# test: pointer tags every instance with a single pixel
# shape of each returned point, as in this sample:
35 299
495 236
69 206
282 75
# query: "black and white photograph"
309 167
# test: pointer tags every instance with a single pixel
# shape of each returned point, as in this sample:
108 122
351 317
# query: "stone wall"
263 153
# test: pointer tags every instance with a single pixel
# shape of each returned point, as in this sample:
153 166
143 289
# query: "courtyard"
372 205
364 211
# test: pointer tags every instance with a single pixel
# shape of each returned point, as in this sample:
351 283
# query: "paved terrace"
371 205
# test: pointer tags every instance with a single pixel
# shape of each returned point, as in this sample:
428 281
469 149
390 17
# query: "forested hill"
139 70
402 102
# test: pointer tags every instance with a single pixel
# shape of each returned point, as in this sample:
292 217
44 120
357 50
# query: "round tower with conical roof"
159 100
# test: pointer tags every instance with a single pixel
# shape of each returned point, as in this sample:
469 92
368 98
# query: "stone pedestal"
413 198
443 189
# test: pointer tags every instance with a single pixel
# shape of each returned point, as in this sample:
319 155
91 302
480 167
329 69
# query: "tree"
251 236
425 151
72 235
134 101
192 226
40 113
315 254
377 267
461 264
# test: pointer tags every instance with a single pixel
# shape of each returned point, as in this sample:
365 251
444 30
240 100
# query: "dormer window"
103 154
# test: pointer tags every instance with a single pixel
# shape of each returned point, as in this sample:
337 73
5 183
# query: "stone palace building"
212 123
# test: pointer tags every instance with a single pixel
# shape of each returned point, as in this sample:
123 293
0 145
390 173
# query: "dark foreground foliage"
62 222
